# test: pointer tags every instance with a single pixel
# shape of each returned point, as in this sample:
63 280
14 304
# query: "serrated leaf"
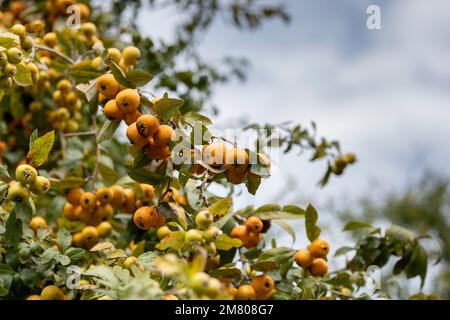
49 255
418 264
64 239
3 190
89 89
147 259
138 77
67 183
109 175
4 174
40 149
192 117
24 211
13 228
166 107
312 230
221 207
227 272
107 130
264 266
252 183
119 75
143 175
9 40
225 242
75 254
174 240
83 72
22 77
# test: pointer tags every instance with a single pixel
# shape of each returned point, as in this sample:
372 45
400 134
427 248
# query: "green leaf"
3 190
224 242
264 266
40 149
6 269
83 72
138 77
312 230
4 174
119 75
49 254
143 175
221 207
287 227
228 272
274 211
55 208
67 183
64 239
23 75
252 183
13 227
75 254
418 264
109 175
354 225
9 40
279 255
174 240
166 107
24 211
107 130
192 117
33 137
138 249
147 259
400 234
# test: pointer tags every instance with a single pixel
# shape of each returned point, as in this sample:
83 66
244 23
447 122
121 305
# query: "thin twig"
168 189
76 134
59 54
97 150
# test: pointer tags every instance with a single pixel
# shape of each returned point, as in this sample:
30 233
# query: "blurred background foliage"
423 207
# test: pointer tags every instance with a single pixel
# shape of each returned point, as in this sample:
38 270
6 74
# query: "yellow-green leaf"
23 75
224 242
166 107
40 149
174 240
221 207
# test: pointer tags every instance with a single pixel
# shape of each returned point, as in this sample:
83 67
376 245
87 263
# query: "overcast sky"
383 94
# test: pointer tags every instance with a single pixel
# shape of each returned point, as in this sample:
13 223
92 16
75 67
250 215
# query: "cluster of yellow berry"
313 258
262 287
126 60
27 179
148 134
251 233
14 56
67 116
234 160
